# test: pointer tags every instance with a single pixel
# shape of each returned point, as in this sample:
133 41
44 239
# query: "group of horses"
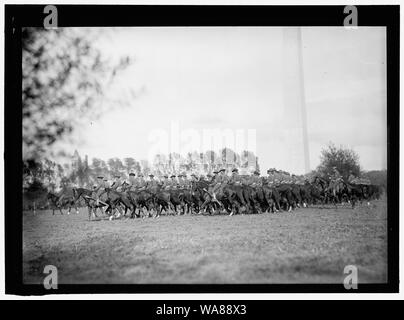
198 198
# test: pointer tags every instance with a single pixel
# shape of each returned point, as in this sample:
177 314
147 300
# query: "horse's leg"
89 213
120 213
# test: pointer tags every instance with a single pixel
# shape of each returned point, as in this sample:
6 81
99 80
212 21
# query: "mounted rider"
173 182
132 180
235 177
256 181
220 181
278 177
271 176
183 181
352 179
152 183
117 185
141 183
98 190
165 183
335 177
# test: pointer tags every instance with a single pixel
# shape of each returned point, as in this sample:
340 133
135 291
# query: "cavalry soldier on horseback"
141 183
183 181
173 182
166 182
294 179
336 175
300 180
277 177
270 178
220 181
98 190
151 183
255 179
132 180
117 185
235 178
352 179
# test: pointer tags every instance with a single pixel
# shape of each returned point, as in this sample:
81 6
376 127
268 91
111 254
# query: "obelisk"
296 144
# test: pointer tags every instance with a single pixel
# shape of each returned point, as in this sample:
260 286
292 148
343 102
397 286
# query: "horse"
64 198
91 203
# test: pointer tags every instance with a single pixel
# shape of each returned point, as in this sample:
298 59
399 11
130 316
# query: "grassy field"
306 246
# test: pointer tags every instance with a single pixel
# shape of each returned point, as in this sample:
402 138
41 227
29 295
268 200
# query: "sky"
233 78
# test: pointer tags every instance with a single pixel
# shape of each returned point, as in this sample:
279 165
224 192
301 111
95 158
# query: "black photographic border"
17 16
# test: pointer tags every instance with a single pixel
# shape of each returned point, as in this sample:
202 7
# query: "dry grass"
306 246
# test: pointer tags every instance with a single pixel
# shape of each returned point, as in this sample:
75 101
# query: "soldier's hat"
151 175
132 174
256 172
222 170
173 176
100 177
215 172
165 176
234 170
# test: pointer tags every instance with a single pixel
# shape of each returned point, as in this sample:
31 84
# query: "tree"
377 177
343 159
64 76
129 163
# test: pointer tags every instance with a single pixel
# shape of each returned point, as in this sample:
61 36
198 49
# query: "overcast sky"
218 78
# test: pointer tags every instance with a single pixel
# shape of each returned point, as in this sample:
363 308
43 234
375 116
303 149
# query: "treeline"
82 172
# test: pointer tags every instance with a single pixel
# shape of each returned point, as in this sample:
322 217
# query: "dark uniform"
117 185
220 181
256 180
235 178
271 177
151 183
132 181
352 179
140 182
165 183
183 181
99 189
